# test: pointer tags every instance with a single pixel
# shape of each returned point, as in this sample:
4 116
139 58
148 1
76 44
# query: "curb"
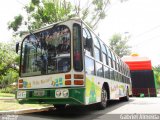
23 111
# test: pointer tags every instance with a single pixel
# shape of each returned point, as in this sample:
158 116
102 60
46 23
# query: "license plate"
39 93
21 94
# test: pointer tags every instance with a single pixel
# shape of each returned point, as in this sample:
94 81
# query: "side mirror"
17 47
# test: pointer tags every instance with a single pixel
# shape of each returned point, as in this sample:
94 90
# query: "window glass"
97 53
113 62
120 77
104 58
110 62
107 72
116 76
87 40
89 65
112 74
103 48
117 67
96 41
108 52
123 79
113 56
77 49
99 69
46 52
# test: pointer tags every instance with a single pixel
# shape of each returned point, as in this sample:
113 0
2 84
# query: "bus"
66 63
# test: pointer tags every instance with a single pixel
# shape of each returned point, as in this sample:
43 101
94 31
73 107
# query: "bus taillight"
78 76
68 82
78 82
20 83
68 76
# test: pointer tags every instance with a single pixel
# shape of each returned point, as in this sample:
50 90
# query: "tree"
119 45
92 11
43 12
8 64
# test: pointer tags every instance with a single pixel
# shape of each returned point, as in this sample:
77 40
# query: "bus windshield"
46 52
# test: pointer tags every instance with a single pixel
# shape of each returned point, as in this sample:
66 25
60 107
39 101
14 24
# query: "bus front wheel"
104 97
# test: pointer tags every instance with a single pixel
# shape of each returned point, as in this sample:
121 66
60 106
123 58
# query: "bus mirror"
17 47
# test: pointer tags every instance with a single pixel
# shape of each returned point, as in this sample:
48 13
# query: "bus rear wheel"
126 98
104 98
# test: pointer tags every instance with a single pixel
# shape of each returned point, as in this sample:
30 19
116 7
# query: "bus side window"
99 69
112 77
110 63
89 65
107 72
97 48
87 40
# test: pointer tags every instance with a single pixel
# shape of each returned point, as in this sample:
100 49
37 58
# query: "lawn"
7 95
12 104
6 105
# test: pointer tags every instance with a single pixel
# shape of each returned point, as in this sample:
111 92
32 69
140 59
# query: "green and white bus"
67 63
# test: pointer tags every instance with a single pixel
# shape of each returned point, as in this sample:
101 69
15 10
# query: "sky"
139 19
9 9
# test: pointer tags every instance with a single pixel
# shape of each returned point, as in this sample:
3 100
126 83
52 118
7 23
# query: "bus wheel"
60 107
126 98
102 105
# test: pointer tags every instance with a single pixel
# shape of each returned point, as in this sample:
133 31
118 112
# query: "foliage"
47 12
43 12
9 89
16 23
119 45
8 64
92 11
156 70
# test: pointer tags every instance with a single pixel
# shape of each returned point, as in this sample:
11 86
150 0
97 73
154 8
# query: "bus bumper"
75 96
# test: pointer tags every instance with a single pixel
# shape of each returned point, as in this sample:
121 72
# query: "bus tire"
60 107
104 98
126 98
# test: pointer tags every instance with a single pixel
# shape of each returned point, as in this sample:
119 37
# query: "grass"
7 95
6 105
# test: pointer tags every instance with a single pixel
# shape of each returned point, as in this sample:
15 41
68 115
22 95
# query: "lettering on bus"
42 81
58 82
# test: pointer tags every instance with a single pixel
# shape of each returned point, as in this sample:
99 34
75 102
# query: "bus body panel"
46 81
94 85
48 96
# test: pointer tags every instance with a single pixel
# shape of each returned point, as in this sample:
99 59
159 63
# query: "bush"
8 90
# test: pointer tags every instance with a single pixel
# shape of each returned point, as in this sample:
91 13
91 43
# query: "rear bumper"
76 97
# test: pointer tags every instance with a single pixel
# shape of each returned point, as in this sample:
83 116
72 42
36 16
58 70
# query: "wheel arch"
106 86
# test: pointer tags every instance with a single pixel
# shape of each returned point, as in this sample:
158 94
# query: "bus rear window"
46 52
77 49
